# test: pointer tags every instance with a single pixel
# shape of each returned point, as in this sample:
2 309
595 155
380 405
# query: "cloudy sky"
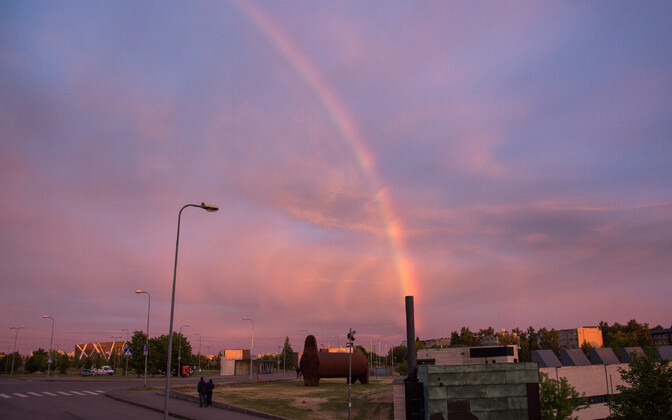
508 164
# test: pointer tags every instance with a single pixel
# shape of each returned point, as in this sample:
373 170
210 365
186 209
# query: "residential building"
574 338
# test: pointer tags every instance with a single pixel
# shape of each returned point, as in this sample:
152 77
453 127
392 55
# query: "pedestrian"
208 392
201 392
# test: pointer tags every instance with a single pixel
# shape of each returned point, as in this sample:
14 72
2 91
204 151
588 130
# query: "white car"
105 370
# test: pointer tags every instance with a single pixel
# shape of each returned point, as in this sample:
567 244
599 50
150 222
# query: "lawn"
328 401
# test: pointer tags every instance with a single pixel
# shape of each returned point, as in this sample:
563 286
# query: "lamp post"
179 351
338 340
146 349
125 345
252 346
199 352
51 340
207 207
16 335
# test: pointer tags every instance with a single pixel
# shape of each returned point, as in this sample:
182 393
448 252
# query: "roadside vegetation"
293 400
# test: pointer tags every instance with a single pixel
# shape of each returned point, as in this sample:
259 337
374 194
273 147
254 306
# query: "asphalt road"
25 398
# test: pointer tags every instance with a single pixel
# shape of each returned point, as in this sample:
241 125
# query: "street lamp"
252 346
338 340
126 345
146 349
51 340
207 207
179 351
199 352
16 335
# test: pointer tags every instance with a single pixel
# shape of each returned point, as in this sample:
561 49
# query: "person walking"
202 387
208 392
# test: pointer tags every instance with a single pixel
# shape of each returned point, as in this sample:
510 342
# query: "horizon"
495 161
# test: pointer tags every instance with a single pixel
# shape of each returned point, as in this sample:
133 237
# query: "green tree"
402 368
549 340
467 338
630 335
288 355
419 344
487 331
62 362
508 338
649 394
398 354
137 343
455 338
558 399
37 361
586 347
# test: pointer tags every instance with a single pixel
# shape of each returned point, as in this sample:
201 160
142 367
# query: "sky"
507 164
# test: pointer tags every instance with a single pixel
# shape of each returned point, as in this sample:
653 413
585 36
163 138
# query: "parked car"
105 370
86 372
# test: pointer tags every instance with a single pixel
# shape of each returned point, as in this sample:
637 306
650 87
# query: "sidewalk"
186 406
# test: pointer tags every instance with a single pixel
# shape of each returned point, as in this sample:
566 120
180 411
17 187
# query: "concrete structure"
493 391
664 353
234 362
626 351
595 381
574 338
468 355
603 356
573 357
545 358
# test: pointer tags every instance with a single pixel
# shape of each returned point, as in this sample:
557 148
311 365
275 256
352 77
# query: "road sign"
49 360
145 350
128 352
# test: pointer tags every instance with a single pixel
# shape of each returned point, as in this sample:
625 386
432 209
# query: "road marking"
51 394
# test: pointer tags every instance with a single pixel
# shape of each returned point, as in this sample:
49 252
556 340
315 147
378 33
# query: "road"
25 398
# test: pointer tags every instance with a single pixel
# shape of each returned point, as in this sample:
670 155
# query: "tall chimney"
410 341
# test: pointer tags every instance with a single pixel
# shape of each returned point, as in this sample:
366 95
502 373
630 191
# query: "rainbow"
345 123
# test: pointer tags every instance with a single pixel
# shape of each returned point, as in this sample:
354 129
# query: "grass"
328 401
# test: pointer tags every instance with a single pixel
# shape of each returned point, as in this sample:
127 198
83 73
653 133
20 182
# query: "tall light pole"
16 335
146 349
126 345
252 346
338 340
51 340
207 207
179 351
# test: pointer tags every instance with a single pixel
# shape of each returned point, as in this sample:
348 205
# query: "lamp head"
209 207
138 291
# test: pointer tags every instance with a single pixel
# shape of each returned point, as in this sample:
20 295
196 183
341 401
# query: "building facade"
574 338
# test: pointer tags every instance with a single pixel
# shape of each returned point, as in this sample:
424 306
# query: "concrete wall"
594 381
494 391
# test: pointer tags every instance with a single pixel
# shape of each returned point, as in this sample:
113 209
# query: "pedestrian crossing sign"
128 352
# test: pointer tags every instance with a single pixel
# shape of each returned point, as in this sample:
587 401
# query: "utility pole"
351 338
